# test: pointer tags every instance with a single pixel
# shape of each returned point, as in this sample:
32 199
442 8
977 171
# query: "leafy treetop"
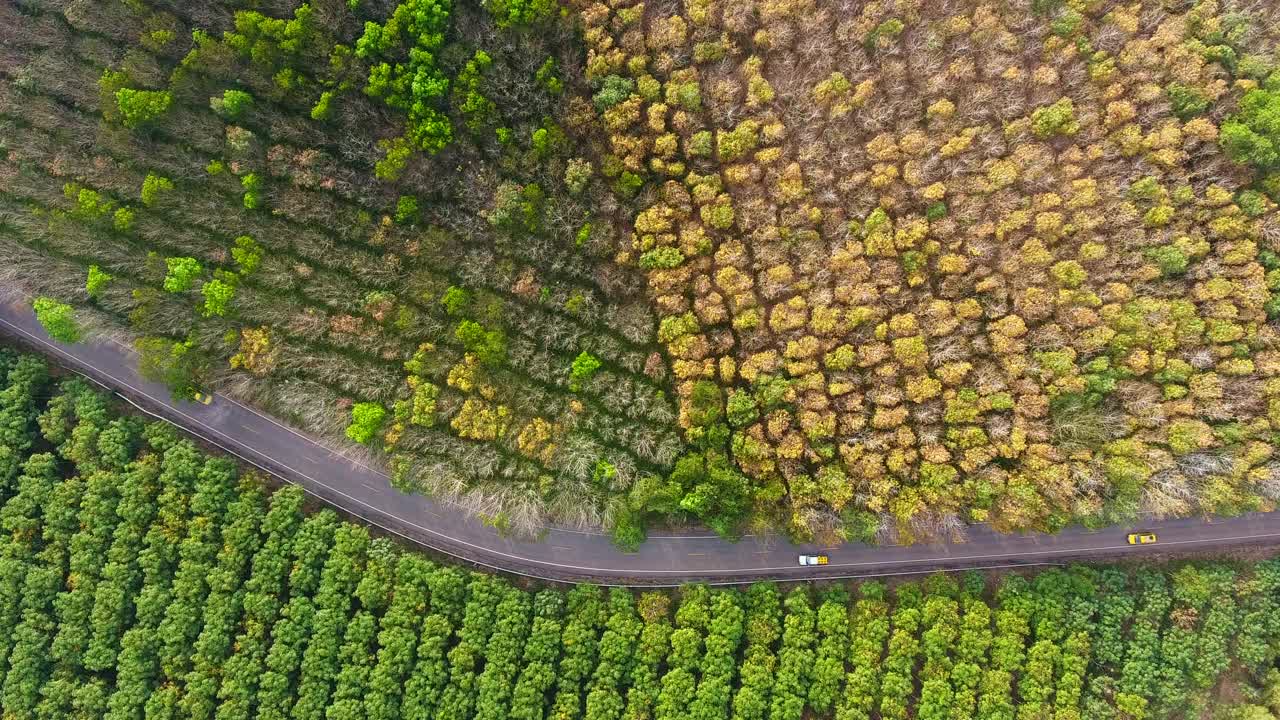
58 319
416 30
182 272
510 13
139 108
1252 136
583 368
97 280
366 420
217 294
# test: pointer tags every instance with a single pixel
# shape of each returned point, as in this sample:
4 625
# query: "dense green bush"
182 273
1252 134
174 363
468 92
251 183
152 188
217 294
1056 119
613 90
97 281
232 103
139 108
415 30
1187 102
583 368
247 254
58 319
489 346
510 13
366 421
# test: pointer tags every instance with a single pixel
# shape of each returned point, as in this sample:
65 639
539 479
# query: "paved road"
564 554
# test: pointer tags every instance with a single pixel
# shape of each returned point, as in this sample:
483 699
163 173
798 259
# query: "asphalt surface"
566 554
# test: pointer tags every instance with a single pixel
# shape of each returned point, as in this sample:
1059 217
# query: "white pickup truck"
814 560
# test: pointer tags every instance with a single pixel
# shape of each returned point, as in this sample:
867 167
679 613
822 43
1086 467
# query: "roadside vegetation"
872 272
140 578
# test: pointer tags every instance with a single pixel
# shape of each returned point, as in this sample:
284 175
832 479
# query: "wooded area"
140 579
870 271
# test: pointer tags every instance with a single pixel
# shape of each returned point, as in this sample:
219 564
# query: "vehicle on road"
202 398
1142 538
814 560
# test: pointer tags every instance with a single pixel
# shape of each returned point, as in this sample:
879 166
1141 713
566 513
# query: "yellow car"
202 398
1142 538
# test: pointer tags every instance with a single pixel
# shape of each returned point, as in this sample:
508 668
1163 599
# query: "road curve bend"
573 555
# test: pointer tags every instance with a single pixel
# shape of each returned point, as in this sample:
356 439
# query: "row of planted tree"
140 578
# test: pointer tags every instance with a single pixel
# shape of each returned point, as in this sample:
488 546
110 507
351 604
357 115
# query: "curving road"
564 554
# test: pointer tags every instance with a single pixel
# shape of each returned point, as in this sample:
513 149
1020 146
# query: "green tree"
323 109
741 409
397 152
397 636
108 605
404 74
262 599
548 77
762 630
1056 119
431 668
517 208
122 220
511 13
1186 101
247 253
252 186
468 94
182 272
58 319
580 647
479 623
495 684
366 421
538 660
176 364
583 369
90 205
221 610
232 103
139 108
407 209
312 548
795 658
322 659
828 669
714 490
455 300
217 295
613 90
1251 135
152 186
719 666
489 346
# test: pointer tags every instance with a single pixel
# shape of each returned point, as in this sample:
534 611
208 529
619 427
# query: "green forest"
866 271
141 579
